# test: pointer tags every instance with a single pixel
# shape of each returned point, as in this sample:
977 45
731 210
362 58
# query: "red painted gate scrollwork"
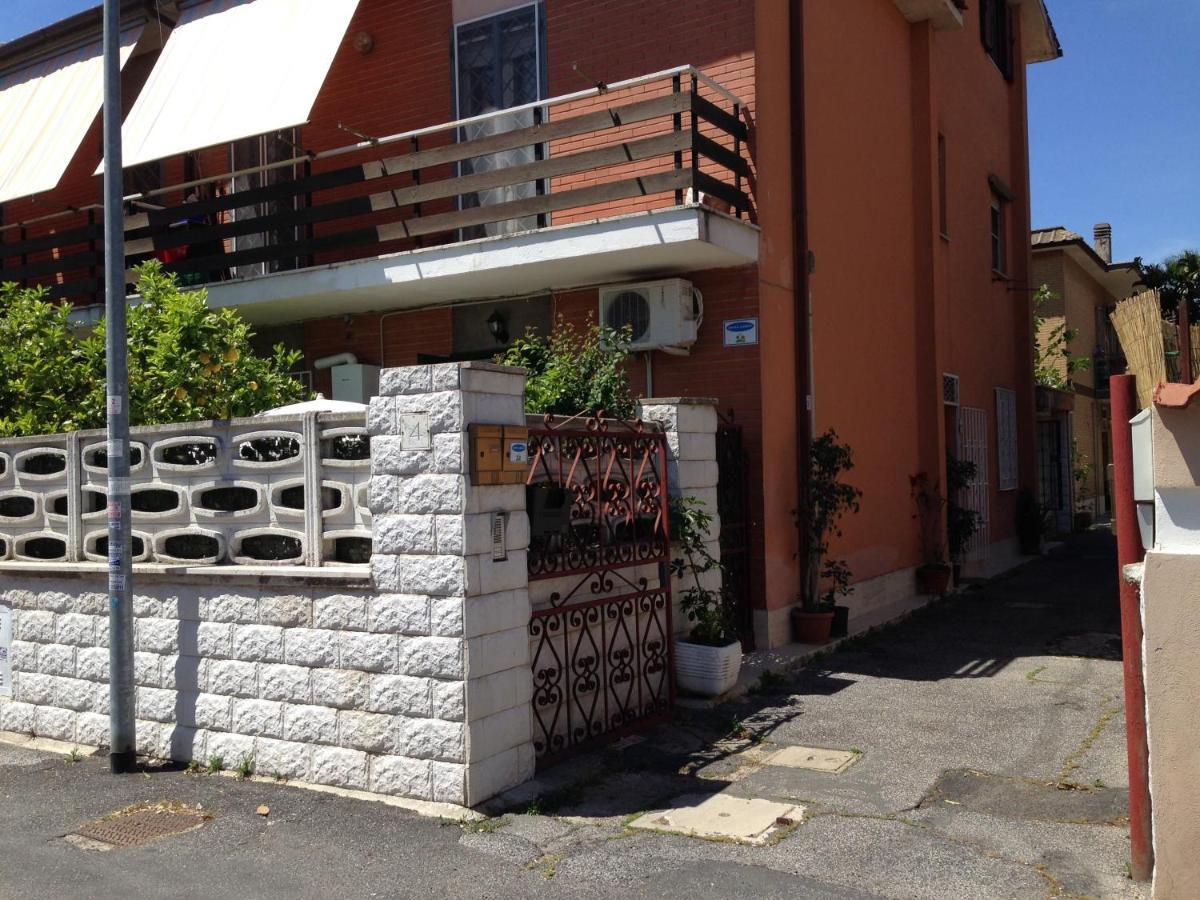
599 548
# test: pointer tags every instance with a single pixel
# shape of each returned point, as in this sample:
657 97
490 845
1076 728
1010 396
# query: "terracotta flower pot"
1083 520
934 579
812 627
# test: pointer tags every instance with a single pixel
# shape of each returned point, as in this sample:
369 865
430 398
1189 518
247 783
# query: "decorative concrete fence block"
289 490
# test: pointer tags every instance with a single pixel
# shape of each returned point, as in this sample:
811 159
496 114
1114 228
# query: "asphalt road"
991 765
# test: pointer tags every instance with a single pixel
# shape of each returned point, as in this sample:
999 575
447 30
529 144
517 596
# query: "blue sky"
1114 130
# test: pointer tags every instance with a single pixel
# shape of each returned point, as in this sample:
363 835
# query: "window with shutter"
1006 439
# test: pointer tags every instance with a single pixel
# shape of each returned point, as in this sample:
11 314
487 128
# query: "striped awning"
233 69
45 112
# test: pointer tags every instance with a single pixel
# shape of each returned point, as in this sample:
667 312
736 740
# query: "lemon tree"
186 362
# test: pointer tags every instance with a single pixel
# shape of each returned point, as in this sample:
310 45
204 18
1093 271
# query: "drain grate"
140 826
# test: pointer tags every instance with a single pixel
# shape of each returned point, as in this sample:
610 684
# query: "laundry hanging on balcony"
45 112
234 69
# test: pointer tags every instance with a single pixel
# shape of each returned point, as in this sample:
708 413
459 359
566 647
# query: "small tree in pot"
934 576
828 498
709 659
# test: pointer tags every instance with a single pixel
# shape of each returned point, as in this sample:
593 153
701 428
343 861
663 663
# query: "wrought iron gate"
733 506
598 570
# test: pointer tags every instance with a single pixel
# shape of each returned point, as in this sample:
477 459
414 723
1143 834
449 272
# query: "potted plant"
827 498
1081 470
962 523
1031 523
933 577
709 659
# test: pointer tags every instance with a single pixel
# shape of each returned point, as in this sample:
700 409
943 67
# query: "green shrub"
574 371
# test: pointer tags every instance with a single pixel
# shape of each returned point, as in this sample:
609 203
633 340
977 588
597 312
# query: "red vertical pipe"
1129 550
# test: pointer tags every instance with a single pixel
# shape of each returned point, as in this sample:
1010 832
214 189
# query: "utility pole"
122 728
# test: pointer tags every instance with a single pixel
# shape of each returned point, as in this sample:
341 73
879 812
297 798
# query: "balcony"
646 176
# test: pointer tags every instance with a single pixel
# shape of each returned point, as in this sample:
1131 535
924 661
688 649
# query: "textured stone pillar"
434 559
690 424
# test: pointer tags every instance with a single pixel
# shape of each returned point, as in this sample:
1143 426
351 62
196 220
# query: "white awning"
45 112
233 69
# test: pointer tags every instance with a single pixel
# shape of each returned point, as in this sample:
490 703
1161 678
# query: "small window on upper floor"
996 31
997 234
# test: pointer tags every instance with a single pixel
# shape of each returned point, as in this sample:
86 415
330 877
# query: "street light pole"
122 728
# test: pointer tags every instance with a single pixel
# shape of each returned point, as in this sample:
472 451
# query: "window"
1006 439
500 62
995 26
248 154
997 233
142 179
943 208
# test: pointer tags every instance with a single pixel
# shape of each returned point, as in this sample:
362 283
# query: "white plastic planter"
708 671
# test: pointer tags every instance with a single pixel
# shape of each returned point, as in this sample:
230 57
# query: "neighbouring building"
816 213
1074 425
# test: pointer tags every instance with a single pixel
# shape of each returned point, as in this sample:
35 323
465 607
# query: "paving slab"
817 759
721 816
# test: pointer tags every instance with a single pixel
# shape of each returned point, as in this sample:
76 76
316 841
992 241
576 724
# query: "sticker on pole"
118 487
114 406
5 651
741 332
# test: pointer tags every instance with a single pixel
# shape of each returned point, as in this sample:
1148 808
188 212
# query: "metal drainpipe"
1123 397
800 281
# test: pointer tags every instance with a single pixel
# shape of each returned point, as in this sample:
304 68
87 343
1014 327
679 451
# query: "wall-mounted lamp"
364 43
498 327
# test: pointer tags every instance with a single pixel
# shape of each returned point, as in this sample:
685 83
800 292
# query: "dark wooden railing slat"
710 112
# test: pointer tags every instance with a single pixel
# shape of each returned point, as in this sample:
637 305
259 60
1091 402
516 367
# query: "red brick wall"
623 39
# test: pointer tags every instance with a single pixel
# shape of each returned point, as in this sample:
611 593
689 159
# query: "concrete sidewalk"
985 758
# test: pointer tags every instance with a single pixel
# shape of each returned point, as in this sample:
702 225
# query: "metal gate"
973 447
599 578
733 506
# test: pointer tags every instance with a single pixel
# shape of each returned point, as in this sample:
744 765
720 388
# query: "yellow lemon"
205 358
231 355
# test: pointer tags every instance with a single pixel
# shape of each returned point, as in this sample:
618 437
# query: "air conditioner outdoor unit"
660 315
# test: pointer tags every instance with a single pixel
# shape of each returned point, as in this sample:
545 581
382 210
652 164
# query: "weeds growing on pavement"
245 767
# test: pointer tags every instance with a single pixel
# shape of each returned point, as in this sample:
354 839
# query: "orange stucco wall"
894 304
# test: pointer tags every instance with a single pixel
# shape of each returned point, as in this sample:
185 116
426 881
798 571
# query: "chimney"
1103 241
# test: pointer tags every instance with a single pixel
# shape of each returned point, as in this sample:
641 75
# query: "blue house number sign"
741 332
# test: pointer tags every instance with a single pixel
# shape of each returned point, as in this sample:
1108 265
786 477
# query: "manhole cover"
140 826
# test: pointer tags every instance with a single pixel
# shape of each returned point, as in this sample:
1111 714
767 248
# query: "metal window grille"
950 390
973 447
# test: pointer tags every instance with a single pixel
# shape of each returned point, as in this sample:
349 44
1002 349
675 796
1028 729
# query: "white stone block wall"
433 541
411 680
690 425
